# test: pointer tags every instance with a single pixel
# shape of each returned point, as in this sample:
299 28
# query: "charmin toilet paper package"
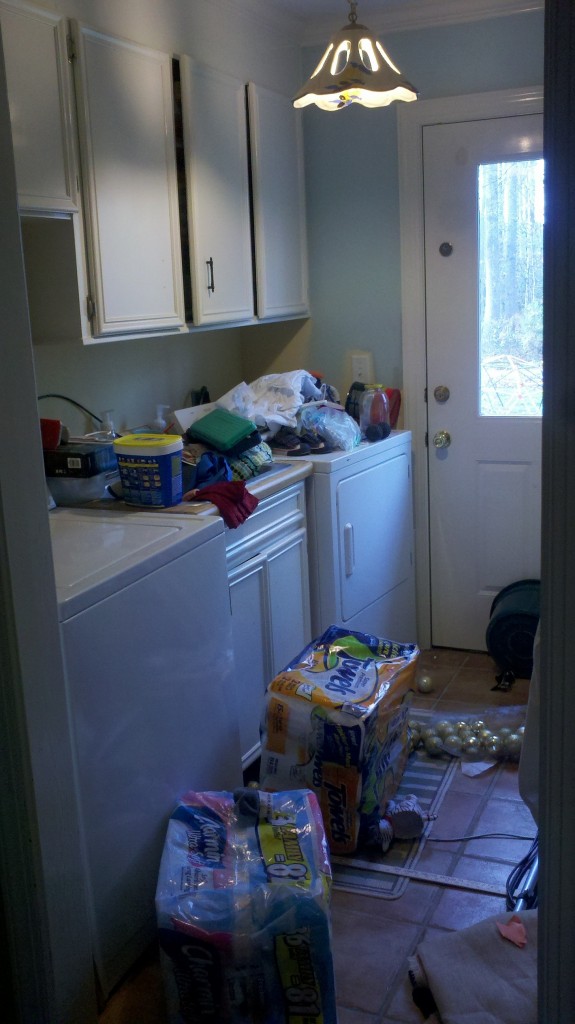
242 905
335 721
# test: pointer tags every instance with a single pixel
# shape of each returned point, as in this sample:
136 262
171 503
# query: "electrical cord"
481 835
72 401
521 885
522 882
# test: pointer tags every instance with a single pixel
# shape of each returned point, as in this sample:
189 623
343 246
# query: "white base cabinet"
269 594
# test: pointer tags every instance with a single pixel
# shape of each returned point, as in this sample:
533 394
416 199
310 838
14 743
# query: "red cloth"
231 497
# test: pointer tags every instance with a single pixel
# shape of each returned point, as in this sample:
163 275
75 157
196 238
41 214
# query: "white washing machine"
360 539
146 627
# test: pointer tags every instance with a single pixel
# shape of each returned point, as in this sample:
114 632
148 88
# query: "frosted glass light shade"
354 69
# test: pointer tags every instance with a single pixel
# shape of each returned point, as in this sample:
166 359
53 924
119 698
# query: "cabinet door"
250 630
125 109
279 205
216 156
287 565
39 95
374 532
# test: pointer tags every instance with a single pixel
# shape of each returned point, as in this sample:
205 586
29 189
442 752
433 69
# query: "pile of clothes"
233 439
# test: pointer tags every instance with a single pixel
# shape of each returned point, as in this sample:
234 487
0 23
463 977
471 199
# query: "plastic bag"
332 423
485 734
242 905
272 401
335 721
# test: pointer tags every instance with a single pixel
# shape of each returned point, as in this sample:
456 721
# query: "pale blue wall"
352 184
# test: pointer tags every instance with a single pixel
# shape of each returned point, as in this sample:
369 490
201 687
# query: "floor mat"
429 779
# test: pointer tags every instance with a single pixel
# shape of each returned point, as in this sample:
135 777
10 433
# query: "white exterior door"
482 198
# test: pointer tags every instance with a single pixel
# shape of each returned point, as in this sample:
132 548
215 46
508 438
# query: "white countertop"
280 475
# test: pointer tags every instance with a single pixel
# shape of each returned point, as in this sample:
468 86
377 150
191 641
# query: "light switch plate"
362 366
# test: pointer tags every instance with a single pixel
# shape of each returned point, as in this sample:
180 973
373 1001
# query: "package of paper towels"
335 721
242 905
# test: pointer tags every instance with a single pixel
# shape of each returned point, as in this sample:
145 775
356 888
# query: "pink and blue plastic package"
242 906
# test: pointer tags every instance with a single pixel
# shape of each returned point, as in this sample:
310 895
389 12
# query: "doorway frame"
411 119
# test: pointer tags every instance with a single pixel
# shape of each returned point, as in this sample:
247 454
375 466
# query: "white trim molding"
411 120
402 15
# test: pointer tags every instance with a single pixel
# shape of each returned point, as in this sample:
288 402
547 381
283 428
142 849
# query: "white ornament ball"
453 744
512 745
434 746
444 728
485 737
471 746
424 684
428 733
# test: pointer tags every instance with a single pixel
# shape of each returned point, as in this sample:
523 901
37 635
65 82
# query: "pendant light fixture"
354 69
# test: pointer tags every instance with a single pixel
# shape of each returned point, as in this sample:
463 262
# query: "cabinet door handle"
349 554
210 266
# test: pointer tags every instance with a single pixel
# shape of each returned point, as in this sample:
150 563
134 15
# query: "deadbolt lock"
442 439
441 393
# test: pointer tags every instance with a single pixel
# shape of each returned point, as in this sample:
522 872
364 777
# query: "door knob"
442 439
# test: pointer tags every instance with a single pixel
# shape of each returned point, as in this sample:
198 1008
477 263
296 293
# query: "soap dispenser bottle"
159 424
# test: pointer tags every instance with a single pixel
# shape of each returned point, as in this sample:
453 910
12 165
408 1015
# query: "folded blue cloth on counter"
209 469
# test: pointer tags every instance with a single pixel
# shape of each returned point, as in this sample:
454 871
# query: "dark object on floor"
511 629
505 681
423 999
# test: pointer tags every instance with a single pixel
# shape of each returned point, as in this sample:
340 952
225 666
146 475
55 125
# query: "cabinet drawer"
275 516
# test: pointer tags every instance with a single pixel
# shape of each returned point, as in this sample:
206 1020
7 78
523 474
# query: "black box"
80 460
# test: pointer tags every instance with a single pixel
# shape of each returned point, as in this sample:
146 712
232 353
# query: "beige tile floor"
372 938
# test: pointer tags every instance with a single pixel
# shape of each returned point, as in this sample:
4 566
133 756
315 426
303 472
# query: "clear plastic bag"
485 734
332 423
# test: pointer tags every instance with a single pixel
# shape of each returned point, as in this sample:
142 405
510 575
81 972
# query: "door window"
510 217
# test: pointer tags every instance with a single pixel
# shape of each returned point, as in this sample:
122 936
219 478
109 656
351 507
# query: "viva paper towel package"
242 905
335 721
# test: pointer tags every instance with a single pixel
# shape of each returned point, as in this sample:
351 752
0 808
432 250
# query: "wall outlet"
362 367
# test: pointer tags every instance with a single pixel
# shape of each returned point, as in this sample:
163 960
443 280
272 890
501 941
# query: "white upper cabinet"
126 123
218 201
40 100
279 205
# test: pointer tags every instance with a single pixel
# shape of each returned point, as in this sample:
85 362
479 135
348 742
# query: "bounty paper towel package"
242 905
335 721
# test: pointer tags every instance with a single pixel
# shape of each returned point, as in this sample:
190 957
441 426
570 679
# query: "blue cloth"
210 469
